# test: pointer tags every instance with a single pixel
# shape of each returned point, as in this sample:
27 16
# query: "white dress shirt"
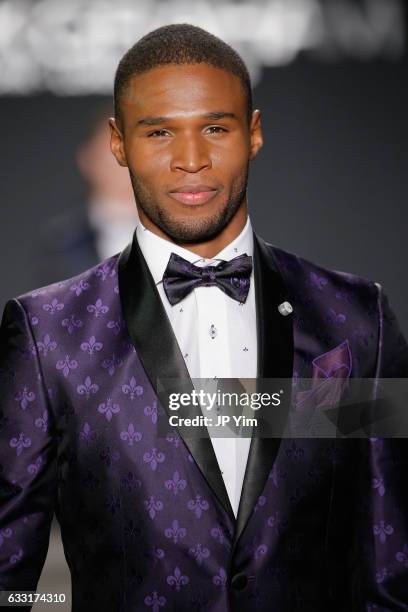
216 335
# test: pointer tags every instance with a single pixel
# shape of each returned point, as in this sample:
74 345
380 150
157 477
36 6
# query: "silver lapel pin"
285 308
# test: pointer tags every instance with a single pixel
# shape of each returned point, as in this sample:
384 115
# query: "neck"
209 248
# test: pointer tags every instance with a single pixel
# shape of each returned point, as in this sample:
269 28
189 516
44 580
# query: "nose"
190 154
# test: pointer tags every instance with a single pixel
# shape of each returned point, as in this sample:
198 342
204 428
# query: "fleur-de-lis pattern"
199 552
81 427
109 408
87 435
47 345
130 435
5 533
132 389
66 365
33 468
154 458
98 308
378 484
198 505
53 307
155 601
24 397
71 324
176 483
153 506
175 532
177 579
220 579
88 388
111 364
20 443
115 325
80 286
42 421
91 346
382 531
402 555
151 411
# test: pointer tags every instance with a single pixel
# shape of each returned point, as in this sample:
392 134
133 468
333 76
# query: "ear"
116 142
255 134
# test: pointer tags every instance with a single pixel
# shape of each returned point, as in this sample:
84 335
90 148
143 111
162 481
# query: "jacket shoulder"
299 273
101 279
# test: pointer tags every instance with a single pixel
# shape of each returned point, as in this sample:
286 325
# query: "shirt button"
213 331
239 582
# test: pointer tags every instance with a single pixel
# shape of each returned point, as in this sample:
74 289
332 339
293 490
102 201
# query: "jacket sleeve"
27 455
381 552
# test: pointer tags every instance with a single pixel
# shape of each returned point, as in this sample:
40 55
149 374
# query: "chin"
184 231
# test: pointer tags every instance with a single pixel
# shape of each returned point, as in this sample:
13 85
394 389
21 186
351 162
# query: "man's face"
185 138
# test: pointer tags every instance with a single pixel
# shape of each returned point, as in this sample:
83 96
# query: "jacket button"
239 582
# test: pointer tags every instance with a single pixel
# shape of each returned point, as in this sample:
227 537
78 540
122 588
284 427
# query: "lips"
193 194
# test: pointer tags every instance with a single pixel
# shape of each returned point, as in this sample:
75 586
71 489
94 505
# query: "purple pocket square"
336 363
330 375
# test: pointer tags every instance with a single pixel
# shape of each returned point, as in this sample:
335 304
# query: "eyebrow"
215 116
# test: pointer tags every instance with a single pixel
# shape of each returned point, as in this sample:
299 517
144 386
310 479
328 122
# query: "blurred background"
331 183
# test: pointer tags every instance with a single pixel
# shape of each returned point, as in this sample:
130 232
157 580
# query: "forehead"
184 89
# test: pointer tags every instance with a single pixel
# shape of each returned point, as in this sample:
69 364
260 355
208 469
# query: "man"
152 521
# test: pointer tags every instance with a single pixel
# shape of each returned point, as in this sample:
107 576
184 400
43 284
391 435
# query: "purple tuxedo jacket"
145 519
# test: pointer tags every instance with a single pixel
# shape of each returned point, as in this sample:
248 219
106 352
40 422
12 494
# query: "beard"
191 230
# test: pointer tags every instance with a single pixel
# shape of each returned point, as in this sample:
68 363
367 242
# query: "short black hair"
179 43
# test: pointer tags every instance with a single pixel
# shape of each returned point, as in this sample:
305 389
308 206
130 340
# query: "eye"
158 133
216 129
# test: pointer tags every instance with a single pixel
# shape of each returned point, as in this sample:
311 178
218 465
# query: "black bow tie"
233 277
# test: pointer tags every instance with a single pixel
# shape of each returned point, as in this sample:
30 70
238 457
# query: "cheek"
231 167
232 157
147 167
145 159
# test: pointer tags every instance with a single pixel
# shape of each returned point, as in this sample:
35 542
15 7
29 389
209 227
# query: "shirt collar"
157 250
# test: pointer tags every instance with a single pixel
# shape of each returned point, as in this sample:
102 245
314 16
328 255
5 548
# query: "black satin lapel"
275 331
275 360
159 352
